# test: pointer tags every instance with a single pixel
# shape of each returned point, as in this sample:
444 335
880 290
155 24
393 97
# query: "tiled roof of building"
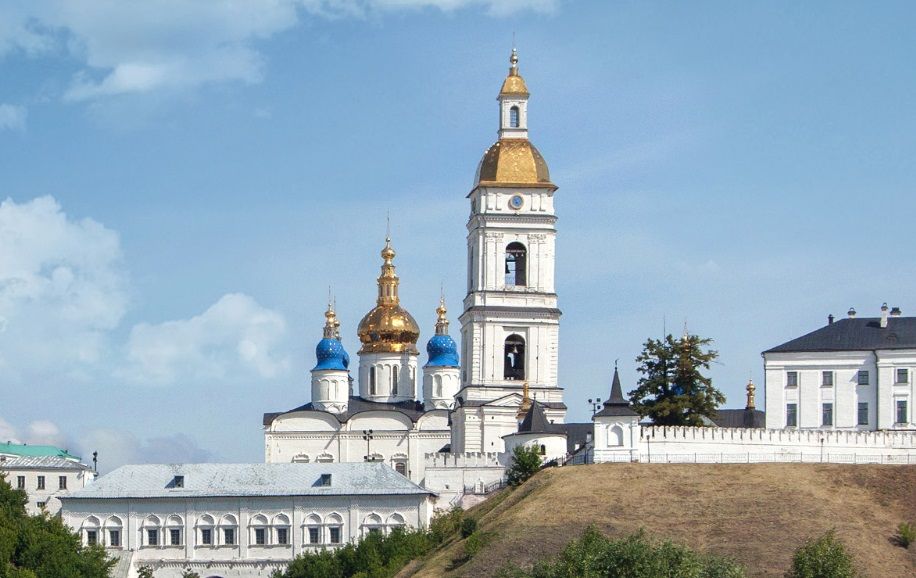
577 434
41 463
746 418
536 421
28 450
248 480
412 409
856 334
616 405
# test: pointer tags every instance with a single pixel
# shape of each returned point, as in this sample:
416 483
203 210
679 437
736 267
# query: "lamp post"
367 435
596 405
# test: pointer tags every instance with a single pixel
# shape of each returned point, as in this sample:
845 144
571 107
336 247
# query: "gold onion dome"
388 328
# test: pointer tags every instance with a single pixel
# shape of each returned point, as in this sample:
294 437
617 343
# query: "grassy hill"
755 513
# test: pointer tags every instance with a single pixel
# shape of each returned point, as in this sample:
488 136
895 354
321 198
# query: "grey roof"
856 334
536 421
42 463
745 418
242 480
616 405
577 433
412 409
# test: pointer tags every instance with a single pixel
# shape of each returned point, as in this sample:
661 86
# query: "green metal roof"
27 450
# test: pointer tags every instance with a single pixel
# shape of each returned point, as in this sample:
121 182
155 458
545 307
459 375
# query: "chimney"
895 312
884 315
851 313
830 319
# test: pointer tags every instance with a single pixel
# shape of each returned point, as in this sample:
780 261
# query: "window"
902 416
152 537
41 482
282 536
863 413
228 525
62 482
394 380
827 414
791 379
372 387
41 505
862 378
826 379
314 535
334 533
325 480
514 359
175 537
258 530
903 375
260 536
516 258
513 117
229 536
543 450
206 536
401 468
92 537
114 538
20 482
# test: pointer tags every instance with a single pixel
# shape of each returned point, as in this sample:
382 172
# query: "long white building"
44 473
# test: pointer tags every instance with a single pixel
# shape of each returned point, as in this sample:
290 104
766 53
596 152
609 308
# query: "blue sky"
181 182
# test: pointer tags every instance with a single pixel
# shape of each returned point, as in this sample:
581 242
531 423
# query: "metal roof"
42 463
855 334
616 405
238 480
743 418
412 409
12 449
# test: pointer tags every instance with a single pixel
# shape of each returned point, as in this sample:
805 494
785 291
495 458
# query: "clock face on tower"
516 202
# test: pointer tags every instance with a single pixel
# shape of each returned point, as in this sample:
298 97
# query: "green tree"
42 546
188 573
144 571
826 557
526 461
673 389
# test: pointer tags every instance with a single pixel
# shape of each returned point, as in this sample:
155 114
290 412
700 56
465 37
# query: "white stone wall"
331 390
440 384
452 475
354 515
552 446
48 497
390 368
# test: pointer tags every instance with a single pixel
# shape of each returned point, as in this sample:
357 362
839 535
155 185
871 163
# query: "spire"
388 280
513 61
751 391
331 324
514 85
616 391
616 405
441 319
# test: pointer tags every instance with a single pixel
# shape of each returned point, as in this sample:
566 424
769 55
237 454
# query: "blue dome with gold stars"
331 355
442 351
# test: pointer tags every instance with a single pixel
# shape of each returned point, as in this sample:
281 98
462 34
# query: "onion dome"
388 327
513 162
514 85
441 348
330 351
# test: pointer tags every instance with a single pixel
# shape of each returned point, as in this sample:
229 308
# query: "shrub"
906 534
468 527
474 543
444 525
188 573
825 557
144 572
526 461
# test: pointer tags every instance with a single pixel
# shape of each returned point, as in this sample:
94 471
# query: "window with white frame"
862 377
280 525
205 525
395 521
312 529
151 528
228 527
902 411
174 530
113 528
903 375
826 379
258 530
791 379
863 413
827 414
791 415
372 524
334 524
90 530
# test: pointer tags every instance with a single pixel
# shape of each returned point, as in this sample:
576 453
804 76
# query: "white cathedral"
509 335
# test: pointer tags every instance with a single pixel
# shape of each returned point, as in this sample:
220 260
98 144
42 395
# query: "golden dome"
388 328
514 83
513 161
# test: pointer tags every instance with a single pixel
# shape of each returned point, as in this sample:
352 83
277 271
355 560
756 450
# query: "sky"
181 182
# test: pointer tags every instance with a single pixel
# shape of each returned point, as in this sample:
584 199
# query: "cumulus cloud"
62 288
12 117
234 336
174 45
116 448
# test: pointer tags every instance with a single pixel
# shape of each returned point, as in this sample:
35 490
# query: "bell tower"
510 323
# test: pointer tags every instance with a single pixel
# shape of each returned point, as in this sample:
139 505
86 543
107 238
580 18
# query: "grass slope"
757 514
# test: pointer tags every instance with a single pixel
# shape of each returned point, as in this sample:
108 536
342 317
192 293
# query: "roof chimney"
851 313
895 312
884 315
830 319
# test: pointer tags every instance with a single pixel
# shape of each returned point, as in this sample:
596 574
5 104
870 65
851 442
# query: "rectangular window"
175 537
826 379
313 535
114 538
20 482
206 537
903 375
791 379
62 482
260 536
827 414
41 482
152 537
282 536
863 378
92 538
791 415
902 414
41 505
863 413
229 536
334 534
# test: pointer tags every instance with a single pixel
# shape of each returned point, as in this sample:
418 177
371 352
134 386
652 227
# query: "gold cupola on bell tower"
388 328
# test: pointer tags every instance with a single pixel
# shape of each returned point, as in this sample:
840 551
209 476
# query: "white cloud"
116 448
62 289
12 117
8 432
46 432
234 336
175 45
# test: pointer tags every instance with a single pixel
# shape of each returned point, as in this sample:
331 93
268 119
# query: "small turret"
330 376
441 373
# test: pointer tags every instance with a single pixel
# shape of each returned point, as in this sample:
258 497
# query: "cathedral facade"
509 335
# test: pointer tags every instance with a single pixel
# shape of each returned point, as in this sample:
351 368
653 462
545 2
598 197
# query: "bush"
906 534
474 543
526 461
444 525
468 527
825 557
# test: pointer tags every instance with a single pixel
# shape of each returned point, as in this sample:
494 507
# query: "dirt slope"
755 513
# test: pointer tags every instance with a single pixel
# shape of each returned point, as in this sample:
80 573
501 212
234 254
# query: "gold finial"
751 390
441 319
388 280
525 405
331 324
513 62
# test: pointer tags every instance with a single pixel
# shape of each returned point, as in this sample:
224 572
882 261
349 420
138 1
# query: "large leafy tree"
526 461
673 389
32 546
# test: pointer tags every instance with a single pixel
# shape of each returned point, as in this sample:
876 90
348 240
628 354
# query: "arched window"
615 436
514 358
399 463
373 389
257 534
113 527
174 533
513 117
372 524
205 526
150 532
543 450
280 526
394 380
516 263
312 530
90 531
395 521
334 524
228 526
437 386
